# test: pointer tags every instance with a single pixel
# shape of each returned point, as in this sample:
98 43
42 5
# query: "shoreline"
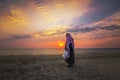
83 55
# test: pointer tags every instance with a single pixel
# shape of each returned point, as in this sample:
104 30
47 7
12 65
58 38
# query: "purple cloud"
15 37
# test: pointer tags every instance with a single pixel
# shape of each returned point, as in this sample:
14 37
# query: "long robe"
71 59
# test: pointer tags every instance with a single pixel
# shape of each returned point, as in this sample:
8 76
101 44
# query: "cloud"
95 28
15 41
82 30
106 28
50 32
39 2
4 7
7 5
91 29
111 27
15 37
98 10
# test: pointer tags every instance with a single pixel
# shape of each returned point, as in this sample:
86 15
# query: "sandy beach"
53 67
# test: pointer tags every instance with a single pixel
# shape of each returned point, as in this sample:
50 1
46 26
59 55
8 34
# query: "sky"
44 23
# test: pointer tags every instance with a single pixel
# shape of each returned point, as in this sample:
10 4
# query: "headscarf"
69 40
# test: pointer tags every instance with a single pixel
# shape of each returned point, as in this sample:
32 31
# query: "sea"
58 51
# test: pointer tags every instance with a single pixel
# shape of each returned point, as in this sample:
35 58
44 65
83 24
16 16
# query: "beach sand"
53 67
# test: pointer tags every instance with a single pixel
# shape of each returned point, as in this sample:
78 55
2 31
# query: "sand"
53 67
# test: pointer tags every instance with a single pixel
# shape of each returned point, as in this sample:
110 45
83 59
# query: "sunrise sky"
43 23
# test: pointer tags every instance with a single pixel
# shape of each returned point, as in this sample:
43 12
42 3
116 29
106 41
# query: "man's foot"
69 65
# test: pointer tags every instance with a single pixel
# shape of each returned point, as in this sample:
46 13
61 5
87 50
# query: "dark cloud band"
90 29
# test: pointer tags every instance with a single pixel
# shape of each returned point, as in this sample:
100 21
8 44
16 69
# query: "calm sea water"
57 51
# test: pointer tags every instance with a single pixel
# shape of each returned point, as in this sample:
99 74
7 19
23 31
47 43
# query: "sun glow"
61 44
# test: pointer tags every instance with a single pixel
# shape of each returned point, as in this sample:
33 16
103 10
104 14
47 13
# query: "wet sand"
51 67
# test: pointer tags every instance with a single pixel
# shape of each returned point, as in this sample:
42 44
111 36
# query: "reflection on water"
30 51
54 51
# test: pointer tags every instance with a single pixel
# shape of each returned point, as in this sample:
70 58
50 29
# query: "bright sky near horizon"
43 23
